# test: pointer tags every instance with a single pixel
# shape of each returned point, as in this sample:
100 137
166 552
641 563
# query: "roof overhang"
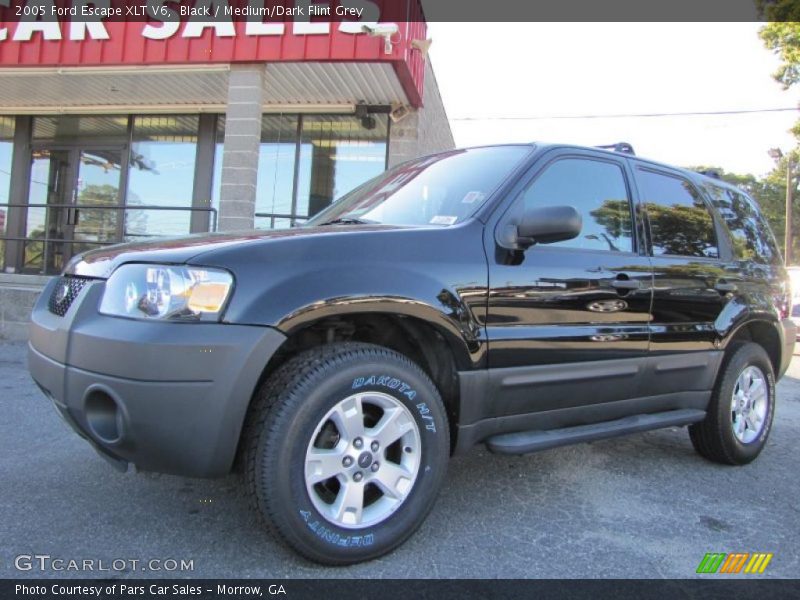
333 87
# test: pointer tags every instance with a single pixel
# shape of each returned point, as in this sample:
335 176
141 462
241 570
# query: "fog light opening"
104 417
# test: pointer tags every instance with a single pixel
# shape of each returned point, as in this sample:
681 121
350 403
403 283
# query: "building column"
404 139
240 152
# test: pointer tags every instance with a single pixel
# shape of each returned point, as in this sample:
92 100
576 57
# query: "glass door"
72 197
95 220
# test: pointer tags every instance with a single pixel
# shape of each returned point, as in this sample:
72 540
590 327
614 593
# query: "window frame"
538 168
720 233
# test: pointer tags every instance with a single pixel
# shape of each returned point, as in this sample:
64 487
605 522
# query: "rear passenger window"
680 223
752 238
597 190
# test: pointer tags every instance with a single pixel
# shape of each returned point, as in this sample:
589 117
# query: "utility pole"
789 194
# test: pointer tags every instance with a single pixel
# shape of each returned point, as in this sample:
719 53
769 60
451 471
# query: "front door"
73 200
568 323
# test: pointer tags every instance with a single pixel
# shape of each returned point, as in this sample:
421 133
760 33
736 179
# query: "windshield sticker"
473 197
443 220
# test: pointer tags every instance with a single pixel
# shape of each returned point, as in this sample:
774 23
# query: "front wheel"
346 451
740 412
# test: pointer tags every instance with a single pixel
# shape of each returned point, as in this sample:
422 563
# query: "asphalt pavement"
641 506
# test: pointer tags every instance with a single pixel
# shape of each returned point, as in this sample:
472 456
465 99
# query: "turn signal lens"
208 297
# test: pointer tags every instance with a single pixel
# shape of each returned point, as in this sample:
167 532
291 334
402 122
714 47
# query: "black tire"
714 437
286 412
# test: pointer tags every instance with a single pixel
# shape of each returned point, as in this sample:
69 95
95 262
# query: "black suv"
521 296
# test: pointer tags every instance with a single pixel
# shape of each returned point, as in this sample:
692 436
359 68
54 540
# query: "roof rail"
622 147
713 173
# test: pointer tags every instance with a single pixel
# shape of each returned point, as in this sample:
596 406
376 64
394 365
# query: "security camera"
384 30
380 29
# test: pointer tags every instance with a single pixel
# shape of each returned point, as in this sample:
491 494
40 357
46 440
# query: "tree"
782 36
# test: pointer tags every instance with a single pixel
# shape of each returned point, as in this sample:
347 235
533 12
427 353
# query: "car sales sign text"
166 18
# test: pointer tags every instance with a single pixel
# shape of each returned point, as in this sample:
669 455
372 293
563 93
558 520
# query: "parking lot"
642 506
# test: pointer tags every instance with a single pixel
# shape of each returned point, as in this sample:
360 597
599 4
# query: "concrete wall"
424 131
18 294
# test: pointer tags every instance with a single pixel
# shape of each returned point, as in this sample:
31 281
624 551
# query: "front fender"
298 302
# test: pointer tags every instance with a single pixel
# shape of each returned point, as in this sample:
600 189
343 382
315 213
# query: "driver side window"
597 190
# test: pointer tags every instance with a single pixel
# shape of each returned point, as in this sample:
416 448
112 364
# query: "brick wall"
424 131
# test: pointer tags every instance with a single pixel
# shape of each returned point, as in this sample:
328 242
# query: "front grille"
64 294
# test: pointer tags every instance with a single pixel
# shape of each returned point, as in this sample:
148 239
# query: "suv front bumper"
167 397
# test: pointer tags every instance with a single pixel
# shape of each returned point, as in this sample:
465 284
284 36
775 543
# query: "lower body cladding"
576 402
167 397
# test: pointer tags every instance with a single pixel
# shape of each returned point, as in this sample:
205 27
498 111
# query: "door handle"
725 287
626 284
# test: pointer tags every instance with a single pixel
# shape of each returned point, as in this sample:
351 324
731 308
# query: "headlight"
165 292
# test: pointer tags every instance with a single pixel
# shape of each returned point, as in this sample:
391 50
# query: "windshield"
443 189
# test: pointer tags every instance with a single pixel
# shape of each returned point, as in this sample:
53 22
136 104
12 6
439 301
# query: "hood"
101 263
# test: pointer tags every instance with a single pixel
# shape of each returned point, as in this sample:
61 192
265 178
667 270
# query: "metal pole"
788 230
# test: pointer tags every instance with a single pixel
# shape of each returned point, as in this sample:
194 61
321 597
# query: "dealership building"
127 131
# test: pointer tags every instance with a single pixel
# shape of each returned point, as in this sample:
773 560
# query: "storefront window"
337 154
6 149
216 183
68 128
276 171
73 190
161 173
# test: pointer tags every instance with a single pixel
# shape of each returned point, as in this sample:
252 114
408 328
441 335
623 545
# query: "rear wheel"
346 451
740 412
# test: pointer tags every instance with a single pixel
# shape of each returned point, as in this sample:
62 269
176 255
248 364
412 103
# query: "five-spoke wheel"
346 451
739 415
362 460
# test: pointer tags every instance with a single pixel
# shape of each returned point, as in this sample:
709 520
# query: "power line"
629 116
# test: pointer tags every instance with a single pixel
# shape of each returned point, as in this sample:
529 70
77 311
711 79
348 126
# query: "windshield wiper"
350 221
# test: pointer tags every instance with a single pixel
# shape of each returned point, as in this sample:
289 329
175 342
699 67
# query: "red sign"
92 33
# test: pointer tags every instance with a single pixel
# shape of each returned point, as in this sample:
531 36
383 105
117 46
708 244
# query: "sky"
568 69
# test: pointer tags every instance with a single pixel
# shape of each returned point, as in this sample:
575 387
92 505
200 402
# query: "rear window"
751 236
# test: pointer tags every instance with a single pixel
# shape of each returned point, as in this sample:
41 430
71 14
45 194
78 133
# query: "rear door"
568 322
691 285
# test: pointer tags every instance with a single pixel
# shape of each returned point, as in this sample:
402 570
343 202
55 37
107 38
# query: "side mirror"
547 225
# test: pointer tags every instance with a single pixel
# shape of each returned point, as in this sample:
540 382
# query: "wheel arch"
764 333
436 348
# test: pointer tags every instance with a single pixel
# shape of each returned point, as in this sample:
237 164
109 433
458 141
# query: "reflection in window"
597 191
71 127
97 185
752 238
680 223
161 173
443 189
50 184
337 154
6 148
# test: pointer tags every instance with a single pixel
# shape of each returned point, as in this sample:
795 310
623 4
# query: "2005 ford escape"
521 296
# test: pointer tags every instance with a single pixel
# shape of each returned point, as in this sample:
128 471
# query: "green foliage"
783 38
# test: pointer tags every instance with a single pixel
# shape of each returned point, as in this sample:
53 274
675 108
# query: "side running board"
524 442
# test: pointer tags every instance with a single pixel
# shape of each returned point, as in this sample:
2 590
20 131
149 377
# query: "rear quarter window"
751 237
